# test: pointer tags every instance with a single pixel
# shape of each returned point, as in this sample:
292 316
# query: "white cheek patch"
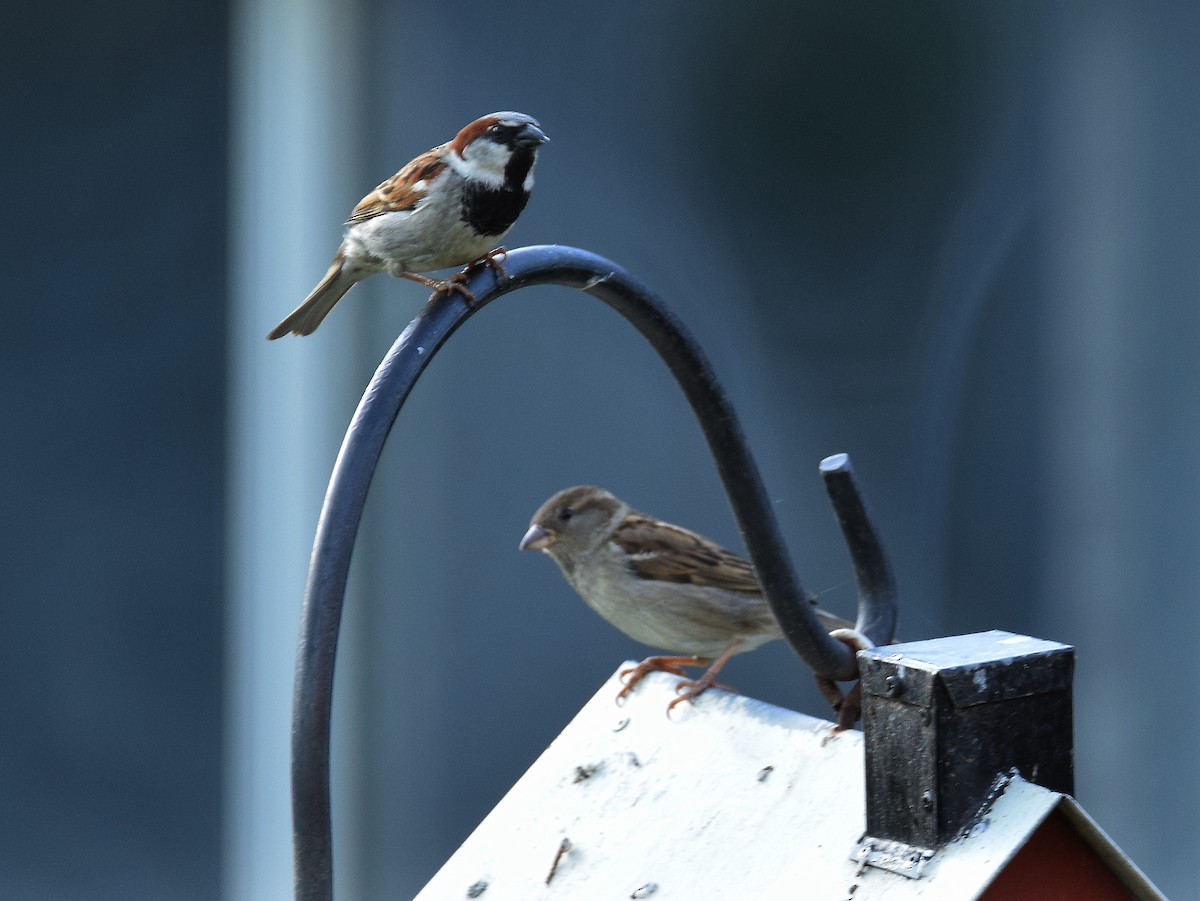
485 162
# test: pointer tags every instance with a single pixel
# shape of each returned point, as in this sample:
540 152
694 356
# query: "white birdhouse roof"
729 798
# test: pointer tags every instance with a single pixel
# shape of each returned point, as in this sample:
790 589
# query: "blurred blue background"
957 242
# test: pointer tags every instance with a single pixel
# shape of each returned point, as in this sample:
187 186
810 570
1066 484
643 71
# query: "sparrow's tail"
306 317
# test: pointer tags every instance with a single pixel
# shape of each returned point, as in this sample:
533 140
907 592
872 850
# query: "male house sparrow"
658 583
448 207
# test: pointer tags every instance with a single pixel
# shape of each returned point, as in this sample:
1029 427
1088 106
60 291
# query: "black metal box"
942 718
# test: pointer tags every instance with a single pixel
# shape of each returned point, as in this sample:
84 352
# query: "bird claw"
846 706
690 689
636 674
689 693
456 284
490 260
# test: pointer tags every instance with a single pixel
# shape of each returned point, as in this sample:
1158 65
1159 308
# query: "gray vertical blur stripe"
1122 341
293 134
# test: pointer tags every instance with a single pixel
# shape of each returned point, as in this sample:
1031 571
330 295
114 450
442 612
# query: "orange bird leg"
689 691
830 692
452 285
491 260
850 710
656 665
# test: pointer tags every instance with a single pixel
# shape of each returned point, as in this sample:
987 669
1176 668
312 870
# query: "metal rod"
338 524
877 608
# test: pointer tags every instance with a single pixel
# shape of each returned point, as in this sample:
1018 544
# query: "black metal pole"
338 525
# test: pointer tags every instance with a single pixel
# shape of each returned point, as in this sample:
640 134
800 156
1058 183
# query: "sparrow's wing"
403 192
659 550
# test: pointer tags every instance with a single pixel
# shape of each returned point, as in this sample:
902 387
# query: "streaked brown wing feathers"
400 192
659 550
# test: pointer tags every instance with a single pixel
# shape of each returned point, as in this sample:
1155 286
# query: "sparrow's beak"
530 136
537 539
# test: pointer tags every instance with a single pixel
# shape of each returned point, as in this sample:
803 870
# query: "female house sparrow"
658 583
448 207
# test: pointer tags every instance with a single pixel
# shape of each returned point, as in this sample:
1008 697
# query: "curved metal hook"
338 524
877 607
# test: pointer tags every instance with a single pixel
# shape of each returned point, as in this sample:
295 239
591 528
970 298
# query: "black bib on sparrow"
492 211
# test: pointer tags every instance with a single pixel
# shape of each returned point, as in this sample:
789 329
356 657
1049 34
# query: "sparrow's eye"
565 513
496 130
